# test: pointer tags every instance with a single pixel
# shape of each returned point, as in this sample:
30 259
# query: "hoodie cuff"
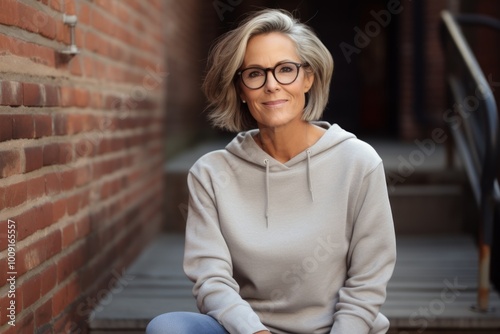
242 320
349 324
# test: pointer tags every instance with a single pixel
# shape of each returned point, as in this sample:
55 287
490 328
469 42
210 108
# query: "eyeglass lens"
285 74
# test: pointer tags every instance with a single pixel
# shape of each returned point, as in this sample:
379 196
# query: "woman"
289 228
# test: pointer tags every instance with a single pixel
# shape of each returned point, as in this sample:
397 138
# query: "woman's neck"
284 143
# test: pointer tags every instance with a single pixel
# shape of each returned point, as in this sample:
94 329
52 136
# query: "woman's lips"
274 103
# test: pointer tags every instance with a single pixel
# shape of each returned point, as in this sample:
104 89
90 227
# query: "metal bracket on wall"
70 20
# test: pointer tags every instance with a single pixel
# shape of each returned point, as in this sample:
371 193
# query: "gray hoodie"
305 246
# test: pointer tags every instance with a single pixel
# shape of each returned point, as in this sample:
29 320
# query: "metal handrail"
477 137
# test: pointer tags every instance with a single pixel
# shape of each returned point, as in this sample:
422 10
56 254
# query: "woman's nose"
271 83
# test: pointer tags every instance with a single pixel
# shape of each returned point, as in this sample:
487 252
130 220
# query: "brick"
82 98
9 15
52 184
31 291
16 194
12 93
83 175
3 273
24 324
60 124
75 66
62 32
51 154
25 224
5 127
34 158
47 25
2 197
70 262
95 43
32 95
58 209
43 214
74 203
82 227
57 153
68 179
28 19
49 279
43 314
69 7
57 5
88 67
75 123
52 96
68 236
36 187
86 147
67 97
10 163
43 125
38 54
23 127
32 255
84 13
66 294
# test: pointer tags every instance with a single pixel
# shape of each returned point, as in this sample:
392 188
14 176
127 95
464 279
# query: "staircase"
436 251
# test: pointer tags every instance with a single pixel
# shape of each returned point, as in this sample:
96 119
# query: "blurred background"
102 115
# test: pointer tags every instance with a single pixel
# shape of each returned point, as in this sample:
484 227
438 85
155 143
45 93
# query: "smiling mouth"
274 103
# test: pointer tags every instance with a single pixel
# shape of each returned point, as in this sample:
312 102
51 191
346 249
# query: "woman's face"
274 104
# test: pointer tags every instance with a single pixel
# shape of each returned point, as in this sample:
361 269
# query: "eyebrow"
280 62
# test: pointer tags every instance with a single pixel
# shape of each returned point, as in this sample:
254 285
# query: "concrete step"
432 289
156 284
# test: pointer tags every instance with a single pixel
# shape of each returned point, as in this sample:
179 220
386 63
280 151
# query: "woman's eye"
286 69
254 74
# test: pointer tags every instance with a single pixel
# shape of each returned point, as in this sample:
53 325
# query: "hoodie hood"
245 147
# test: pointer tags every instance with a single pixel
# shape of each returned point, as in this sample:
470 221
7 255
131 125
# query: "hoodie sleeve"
207 262
371 258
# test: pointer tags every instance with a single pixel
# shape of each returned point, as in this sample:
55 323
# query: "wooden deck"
432 289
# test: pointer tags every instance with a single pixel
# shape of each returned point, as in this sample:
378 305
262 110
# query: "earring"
243 101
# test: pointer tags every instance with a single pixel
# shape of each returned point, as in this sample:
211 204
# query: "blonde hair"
226 58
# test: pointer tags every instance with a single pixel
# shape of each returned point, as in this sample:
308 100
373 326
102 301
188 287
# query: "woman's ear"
308 81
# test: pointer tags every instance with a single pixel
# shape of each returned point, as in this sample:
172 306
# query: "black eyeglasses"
256 77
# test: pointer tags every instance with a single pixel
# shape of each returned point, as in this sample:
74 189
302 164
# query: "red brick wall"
81 153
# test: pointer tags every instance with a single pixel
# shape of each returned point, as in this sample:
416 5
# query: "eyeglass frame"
272 69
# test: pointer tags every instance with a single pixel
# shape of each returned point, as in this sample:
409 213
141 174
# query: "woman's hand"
263 332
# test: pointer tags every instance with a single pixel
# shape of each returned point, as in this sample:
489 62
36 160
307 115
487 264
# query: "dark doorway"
364 92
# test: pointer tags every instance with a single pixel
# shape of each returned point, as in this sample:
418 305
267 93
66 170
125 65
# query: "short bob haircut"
226 57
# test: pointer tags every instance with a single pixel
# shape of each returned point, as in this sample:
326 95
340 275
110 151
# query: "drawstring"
266 162
309 181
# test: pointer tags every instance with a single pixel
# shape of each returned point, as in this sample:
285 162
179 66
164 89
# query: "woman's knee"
167 323
183 323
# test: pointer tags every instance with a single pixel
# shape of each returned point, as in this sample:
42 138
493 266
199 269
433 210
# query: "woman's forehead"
267 50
